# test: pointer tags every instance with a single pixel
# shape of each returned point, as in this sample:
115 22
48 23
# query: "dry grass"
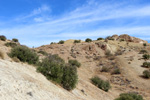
1 55
15 59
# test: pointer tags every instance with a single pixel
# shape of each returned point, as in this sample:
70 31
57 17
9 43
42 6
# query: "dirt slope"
20 81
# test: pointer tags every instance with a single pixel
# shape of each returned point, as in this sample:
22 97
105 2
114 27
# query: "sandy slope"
22 82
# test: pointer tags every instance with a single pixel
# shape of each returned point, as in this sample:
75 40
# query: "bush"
105 69
100 38
2 37
144 44
43 52
24 54
70 77
122 40
61 42
116 71
88 40
146 74
77 41
15 40
146 56
104 85
74 63
1 55
146 64
54 68
10 44
143 51
130 96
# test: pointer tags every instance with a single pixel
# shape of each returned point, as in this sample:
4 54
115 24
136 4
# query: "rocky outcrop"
127 38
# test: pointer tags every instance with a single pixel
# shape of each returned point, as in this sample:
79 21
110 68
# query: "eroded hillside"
21 81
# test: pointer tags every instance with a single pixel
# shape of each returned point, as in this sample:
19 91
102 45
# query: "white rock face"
22 82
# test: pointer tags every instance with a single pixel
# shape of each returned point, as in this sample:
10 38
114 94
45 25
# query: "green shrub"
74 63
77 41
146 56
15 40
24 54
100 38
54 68
105 69
2 37
51 69
144 44
70 77
104 85
143 51
146 64
10 44
116 71
122 40
61 42
43 52
130 96
146 74
88 40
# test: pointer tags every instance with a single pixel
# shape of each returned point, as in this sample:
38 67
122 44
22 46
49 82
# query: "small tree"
77 41
61 42
100 38
144 44
15 40
70 77
2 37
88 40
52 67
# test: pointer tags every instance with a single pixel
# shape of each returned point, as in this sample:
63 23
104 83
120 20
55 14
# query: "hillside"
21 81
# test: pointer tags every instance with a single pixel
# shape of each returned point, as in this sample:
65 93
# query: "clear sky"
38 22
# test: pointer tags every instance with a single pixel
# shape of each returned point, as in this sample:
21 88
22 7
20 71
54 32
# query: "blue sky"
39 22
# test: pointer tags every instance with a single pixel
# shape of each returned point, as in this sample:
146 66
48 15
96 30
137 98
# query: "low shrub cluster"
55 69
2 37
146 64
146 74
10 44
104 85
122 40
24 54
146 56
74 63
43 52
129 96
100 38
61 42
105 69
15 40
144 44
143 52
88 40
116 71
77 41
